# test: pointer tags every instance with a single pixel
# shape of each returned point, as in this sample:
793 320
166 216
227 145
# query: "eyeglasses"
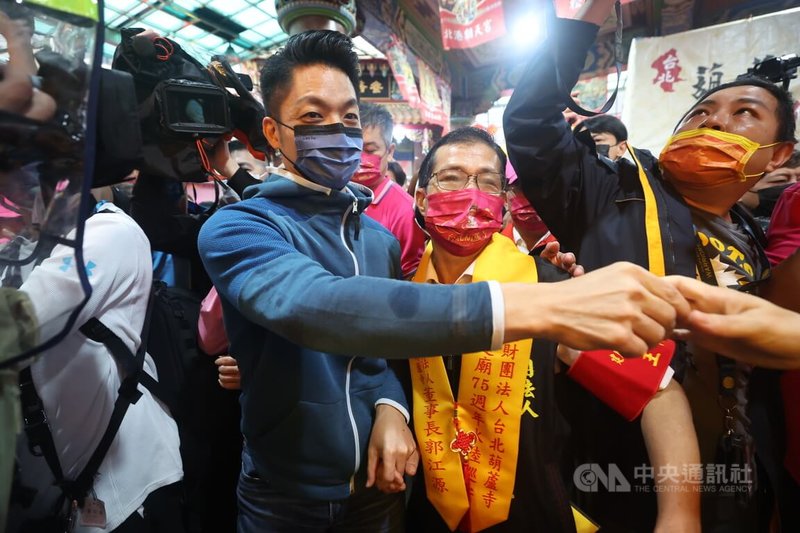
455 179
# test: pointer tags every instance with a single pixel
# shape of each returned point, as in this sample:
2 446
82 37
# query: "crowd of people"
566 335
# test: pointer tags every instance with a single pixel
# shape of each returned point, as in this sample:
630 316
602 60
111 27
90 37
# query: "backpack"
172 343
169 336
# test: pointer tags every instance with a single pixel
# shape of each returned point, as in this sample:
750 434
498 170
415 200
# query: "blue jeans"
264 509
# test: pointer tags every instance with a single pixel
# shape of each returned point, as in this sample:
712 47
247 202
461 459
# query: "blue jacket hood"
280 186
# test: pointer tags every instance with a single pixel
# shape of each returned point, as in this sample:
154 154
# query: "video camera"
174 104
775 69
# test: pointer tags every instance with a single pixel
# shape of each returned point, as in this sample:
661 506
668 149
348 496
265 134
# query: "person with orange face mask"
675 214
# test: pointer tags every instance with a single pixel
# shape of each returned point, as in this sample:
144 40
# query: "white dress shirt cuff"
387 401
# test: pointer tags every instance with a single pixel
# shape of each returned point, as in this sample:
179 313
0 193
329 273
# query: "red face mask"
462 222
369 173
525 216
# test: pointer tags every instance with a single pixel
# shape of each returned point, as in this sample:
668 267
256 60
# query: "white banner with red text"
666 75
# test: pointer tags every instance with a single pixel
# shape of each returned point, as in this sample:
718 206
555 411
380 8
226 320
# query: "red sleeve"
411 246
624 384
783 236
399 210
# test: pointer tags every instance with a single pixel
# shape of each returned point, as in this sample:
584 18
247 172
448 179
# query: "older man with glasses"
469 480
487 424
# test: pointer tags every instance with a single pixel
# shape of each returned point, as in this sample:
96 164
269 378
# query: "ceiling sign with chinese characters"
376 81
674 71
469 23
428 104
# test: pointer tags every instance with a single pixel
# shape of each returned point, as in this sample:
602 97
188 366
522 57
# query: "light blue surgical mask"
327 155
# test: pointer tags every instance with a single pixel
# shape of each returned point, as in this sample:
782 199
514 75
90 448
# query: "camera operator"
245 159
160 207
68 476
187 114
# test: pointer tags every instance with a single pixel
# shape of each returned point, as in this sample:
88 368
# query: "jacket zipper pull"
358 218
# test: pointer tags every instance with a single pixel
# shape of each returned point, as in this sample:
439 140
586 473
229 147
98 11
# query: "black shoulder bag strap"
37 428
128 393
734 446
727 366
132 365
40 438
566 91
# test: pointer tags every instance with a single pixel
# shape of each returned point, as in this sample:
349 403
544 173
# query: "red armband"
625 384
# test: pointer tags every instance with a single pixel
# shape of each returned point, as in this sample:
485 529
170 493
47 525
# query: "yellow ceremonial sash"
469 447
655 247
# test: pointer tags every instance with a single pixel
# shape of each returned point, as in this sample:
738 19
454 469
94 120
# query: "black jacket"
594 207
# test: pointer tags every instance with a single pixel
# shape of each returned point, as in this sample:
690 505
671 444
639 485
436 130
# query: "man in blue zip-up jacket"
299 270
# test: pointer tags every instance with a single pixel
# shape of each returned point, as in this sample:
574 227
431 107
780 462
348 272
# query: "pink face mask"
462 222
525 216
369 173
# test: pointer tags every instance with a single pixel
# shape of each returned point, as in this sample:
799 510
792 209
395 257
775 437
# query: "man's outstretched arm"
741 326
621 307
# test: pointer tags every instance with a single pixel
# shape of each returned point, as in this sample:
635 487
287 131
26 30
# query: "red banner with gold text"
469 23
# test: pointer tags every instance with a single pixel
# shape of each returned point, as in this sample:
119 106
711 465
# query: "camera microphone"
776 69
